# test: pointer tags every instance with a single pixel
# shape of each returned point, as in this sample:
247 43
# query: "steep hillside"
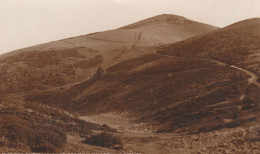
73 60
237 44
160 94
181 89
171 83
166 90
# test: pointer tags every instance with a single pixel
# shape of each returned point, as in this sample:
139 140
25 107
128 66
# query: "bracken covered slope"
73 60
33 75
237 44
175 88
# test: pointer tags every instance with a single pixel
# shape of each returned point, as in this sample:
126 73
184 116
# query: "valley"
165 84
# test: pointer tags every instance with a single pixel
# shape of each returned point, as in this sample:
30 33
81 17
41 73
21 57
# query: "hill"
194 86
200 94
73 60
57 66
237 44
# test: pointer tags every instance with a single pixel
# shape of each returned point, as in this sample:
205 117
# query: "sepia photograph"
130 76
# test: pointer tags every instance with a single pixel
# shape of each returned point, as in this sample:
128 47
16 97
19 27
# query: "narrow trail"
136 39
252 80
132 47
254 77
214 61
124 53
100 39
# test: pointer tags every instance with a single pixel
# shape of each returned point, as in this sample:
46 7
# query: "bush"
100 72
248 101
235 115
217 127
258 80
202 130
232 124
247 107
104 140
44 148
248 104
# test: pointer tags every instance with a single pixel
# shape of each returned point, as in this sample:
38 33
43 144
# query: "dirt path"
253 77
136 39
107 40
252 80
214 61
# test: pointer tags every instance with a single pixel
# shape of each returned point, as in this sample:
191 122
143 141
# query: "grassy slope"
74 59
237 44
177 92
172 92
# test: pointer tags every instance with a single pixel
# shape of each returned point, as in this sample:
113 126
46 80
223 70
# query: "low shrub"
104 140
217 127
232 124
202 129
258 80
44 148
247 107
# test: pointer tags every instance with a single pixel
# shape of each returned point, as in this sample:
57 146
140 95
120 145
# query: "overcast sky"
25 23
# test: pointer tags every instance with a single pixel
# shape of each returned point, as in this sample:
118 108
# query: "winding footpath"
252 80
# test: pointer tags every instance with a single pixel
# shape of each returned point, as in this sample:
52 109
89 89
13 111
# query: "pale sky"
25 23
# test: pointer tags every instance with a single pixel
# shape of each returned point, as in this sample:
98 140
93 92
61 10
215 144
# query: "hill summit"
163 19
